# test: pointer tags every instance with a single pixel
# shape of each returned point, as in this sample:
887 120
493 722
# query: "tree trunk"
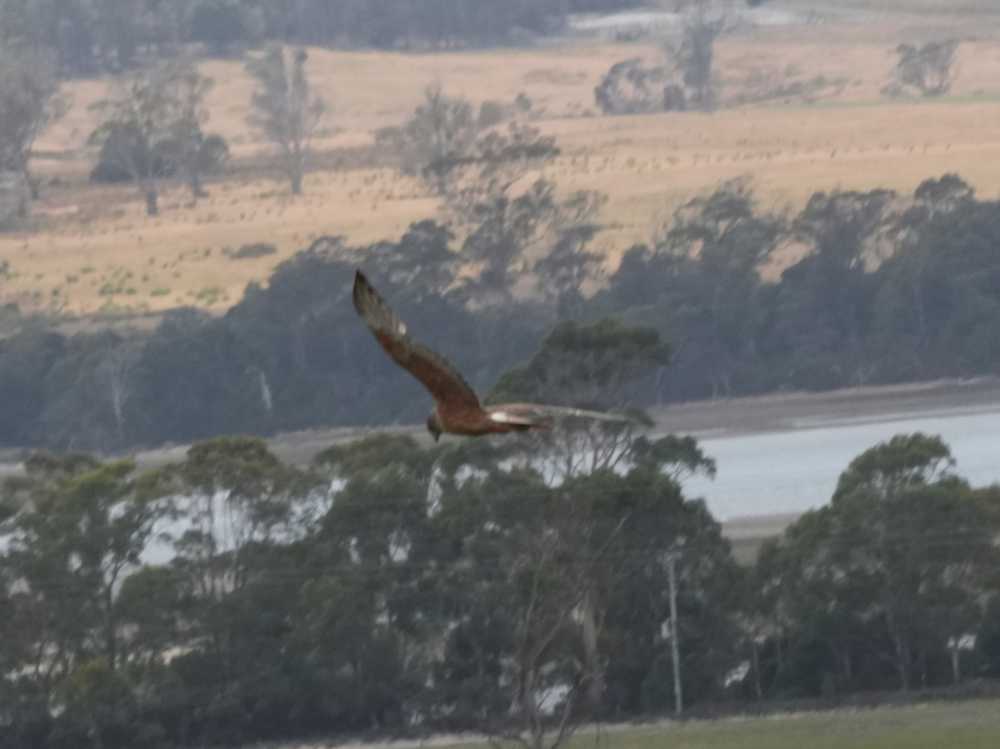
902 662
529 708
956 665
111 644
152 202
34 189
296 183
848 666
197 189
595 683
755 660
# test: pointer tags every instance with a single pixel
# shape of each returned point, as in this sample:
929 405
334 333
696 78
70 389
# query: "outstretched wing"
434 371
534 414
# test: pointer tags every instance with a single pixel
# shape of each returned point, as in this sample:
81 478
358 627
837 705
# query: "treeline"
887 289
95 35
388 589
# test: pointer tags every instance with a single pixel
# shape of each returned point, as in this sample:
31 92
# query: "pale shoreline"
804 410
775 412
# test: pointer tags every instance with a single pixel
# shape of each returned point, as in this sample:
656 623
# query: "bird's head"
434 426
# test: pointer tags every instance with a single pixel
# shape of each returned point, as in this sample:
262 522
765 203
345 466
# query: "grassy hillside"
92 249
973 725
966 725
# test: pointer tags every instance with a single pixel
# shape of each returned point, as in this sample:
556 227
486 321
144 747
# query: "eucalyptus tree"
285 109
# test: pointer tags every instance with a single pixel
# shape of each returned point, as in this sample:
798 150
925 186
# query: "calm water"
796 470
793 470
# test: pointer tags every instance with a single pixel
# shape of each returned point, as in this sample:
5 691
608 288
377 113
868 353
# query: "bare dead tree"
285 110
693 56
117 373
142 118
29 102
192 152
442 127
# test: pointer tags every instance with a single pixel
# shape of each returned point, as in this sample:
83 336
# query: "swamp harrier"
457 409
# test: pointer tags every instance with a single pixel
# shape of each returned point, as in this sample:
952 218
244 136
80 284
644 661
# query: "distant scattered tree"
685 82
121 146
441 128
29 102
148 110
498 160
929 69
285 110
502 230
15 196
188 148
629 87
503 219
513 225
694 56
570 263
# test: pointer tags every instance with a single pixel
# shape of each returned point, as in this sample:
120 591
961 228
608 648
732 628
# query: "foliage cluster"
152 128
89 36
232 598
927 69
685 81
887 289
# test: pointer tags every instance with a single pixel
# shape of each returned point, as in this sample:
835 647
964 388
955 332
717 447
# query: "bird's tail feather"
533 413
582 413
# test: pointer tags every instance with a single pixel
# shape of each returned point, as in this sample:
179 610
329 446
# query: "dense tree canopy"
887 289
231 598
91 35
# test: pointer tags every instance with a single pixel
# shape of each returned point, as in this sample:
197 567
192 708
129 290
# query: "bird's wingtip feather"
360 290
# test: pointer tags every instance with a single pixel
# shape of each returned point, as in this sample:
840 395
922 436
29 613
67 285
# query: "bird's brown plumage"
435 372
457 408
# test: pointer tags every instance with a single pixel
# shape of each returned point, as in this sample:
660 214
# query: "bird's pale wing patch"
534 412
505 417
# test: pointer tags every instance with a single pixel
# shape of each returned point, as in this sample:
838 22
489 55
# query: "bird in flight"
457 409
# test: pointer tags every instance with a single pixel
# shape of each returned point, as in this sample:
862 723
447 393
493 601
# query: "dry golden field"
91 248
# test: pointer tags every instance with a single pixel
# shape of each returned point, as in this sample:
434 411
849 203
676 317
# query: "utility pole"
674 643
